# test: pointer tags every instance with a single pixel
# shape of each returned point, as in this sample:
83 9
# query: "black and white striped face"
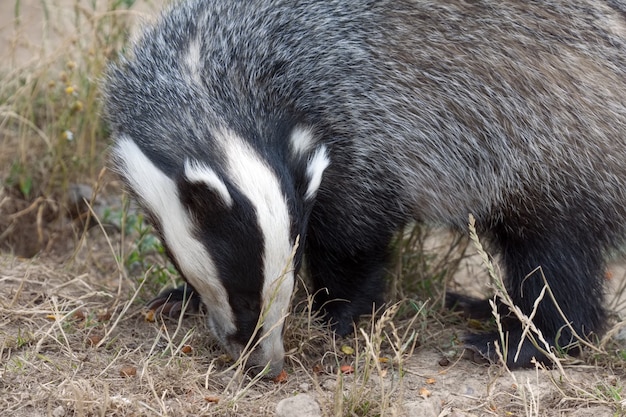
228 228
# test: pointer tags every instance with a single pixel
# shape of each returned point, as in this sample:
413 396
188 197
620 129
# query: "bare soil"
76 340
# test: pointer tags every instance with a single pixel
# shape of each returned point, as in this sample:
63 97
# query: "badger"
264 135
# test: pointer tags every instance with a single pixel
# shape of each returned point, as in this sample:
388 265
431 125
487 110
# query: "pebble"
430 407
599 411
330 385
58 412
301 405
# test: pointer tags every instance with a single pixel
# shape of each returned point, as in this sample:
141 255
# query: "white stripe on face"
159 194
198 172
254 179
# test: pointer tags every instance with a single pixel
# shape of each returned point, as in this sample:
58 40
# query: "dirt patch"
73 327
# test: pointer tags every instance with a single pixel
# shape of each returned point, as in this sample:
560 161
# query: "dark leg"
472 308
170 302
347 284
572 264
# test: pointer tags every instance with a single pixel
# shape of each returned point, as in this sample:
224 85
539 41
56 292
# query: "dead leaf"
149 316
346 369
347 350
93 340
128 371
104 316
281 377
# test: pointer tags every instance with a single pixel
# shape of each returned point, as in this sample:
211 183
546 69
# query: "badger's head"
230 225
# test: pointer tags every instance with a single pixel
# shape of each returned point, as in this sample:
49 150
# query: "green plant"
146 255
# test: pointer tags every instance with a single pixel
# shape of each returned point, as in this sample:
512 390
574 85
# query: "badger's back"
464 105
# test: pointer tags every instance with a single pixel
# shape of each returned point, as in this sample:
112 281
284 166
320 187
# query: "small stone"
304 387
58 412
329 384
469 391
301 405
426 408
598 411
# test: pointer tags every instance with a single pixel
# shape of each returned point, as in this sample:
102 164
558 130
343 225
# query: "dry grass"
74 339
67 342
71 332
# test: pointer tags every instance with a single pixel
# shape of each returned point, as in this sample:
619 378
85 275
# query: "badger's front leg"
347 240
347 285
347 274
173 302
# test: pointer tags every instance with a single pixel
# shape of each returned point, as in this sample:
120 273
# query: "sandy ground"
44 28
72 325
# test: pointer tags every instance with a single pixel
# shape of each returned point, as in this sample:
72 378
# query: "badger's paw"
488 347
171 303
340 316
341 321
475 308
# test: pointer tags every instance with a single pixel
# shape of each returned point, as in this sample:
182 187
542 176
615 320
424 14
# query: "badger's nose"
270 369
276 367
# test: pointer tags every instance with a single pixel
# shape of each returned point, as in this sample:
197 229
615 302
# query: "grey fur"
513 111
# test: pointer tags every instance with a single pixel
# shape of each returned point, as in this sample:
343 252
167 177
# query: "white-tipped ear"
316 165
301 141
197 172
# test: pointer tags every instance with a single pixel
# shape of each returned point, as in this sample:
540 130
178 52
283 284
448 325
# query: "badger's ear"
305 152
317 163
201 189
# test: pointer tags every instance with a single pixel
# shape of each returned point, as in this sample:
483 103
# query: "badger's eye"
245 302
246 332
247 321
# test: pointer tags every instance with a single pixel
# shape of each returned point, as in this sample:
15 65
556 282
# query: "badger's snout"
270 364
260 352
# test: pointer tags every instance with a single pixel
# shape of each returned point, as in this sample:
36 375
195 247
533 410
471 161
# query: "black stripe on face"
235 242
